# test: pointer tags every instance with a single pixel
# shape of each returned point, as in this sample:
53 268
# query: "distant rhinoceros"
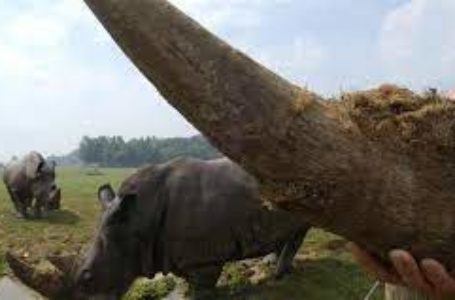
31 178
187 217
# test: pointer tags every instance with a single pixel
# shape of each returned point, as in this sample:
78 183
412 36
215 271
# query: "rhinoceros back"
214 214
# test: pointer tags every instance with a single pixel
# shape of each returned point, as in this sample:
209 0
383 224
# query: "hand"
429 277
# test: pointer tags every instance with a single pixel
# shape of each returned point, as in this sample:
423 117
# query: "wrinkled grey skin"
187 217
30 181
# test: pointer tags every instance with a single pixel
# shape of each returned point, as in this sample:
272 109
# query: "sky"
62 77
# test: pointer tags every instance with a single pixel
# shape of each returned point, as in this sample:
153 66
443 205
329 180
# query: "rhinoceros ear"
106 195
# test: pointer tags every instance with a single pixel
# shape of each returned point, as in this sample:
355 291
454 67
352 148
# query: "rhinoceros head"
113 259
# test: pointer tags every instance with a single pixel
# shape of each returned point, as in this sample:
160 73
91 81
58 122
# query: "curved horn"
305 154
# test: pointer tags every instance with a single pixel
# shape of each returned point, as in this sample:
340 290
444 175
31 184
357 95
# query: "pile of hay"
401 120
50 277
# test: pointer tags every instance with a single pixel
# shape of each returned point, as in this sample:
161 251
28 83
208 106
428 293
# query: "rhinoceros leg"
37 208
19 204
288 252
202 281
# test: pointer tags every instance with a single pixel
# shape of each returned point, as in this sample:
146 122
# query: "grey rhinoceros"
31 178
187 217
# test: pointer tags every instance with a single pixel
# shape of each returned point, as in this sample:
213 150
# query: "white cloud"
417 42
62 77
244 14
300 59
34 40
43 23
400 28
13 62
35 30
306 55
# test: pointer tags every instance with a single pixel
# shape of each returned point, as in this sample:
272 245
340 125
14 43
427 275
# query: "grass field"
324 269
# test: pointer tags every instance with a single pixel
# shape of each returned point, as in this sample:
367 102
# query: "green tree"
116 152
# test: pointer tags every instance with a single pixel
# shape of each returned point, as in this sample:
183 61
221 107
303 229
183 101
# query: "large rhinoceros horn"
308 154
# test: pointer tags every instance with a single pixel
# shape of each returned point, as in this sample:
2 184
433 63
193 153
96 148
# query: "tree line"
115 151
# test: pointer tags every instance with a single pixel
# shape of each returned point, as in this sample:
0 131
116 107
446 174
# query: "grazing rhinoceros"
187 217
31 178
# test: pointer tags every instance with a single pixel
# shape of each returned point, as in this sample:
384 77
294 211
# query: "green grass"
66 230
323 268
